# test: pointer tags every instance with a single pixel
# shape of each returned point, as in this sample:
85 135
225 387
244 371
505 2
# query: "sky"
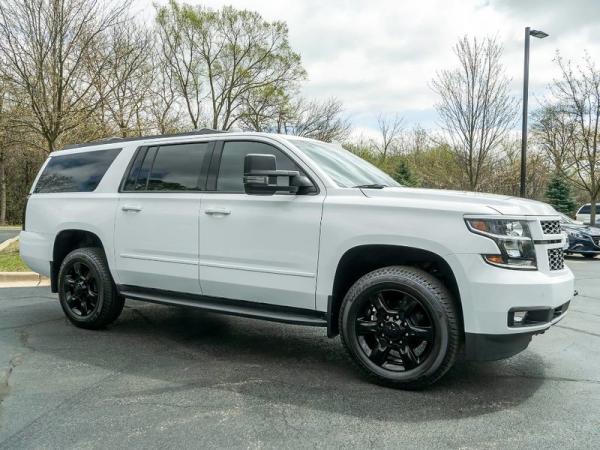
380 56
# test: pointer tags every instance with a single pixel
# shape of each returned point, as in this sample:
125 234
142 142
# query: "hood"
581 228
469 202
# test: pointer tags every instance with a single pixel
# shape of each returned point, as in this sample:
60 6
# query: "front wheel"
86 291
401 327
589 255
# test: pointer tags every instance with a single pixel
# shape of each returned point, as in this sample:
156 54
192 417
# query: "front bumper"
489 293
491 347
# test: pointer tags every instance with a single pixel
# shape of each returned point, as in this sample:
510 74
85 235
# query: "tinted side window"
231 170
78 172
176 167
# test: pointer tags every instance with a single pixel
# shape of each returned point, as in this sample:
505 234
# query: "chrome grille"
556 258
550 226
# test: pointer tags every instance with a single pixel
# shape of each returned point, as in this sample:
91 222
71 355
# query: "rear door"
156 228
260 248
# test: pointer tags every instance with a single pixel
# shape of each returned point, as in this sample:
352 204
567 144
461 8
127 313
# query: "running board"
241 308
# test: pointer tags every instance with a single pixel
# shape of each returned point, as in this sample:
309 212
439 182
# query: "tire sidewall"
436 312
69 261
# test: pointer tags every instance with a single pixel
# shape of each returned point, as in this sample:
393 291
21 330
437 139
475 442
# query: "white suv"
584 213
298 231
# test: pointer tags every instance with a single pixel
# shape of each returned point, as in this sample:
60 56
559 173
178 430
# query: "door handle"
217 212
132 208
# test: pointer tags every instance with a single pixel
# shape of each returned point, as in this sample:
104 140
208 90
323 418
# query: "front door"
156 228
258 248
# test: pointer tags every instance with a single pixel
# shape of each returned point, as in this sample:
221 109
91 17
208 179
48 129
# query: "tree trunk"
2 190
593 201
51 143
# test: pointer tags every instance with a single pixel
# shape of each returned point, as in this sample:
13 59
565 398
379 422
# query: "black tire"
86 290
588 255
428 300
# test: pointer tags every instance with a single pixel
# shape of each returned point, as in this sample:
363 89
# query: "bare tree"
554 131
475 106
416 140
255 55
390 131
163 109
318 120
224 57
181 38
506 166
125 84
46 44
266 109
4 137
578 94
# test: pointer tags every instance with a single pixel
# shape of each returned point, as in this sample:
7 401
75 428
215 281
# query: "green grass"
10 261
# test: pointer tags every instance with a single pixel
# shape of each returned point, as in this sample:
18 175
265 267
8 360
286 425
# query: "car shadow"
187 351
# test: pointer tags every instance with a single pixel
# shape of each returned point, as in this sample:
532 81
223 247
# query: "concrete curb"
22 279
7 242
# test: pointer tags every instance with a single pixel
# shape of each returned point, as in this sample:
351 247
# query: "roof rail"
115 139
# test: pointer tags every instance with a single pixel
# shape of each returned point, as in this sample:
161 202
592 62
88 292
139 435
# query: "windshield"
344 167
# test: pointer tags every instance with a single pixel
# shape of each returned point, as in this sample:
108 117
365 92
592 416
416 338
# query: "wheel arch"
65 242
362 259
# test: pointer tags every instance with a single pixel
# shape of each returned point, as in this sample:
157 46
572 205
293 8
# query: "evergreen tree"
558 194
404 175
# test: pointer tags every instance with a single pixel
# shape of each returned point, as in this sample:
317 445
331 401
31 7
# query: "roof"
113 142
116 139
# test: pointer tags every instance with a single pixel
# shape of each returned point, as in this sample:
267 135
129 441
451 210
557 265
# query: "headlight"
575 234
513 239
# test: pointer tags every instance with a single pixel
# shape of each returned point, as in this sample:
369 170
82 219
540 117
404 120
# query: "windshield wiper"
370 186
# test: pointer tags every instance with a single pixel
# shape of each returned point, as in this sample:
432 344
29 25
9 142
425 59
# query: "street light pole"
524 124
540 35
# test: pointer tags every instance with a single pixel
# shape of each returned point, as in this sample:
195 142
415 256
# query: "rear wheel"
400 326
588 255
86 290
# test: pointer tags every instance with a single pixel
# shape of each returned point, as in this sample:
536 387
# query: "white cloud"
381 56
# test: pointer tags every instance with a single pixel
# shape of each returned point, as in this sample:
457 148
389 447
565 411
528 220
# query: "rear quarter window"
77 172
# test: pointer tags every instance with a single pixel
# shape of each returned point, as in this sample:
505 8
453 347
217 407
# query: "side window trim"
154 149
133 168
203 172
130 167
215 165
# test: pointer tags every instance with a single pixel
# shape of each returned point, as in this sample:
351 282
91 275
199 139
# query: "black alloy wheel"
80 289
87 293
401 327
395 330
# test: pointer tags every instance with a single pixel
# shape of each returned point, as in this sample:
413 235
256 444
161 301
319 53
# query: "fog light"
519 316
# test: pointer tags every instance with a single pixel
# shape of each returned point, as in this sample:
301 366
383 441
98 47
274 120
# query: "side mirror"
261 177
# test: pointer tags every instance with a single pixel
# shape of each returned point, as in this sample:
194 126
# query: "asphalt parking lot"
8 233
171 378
